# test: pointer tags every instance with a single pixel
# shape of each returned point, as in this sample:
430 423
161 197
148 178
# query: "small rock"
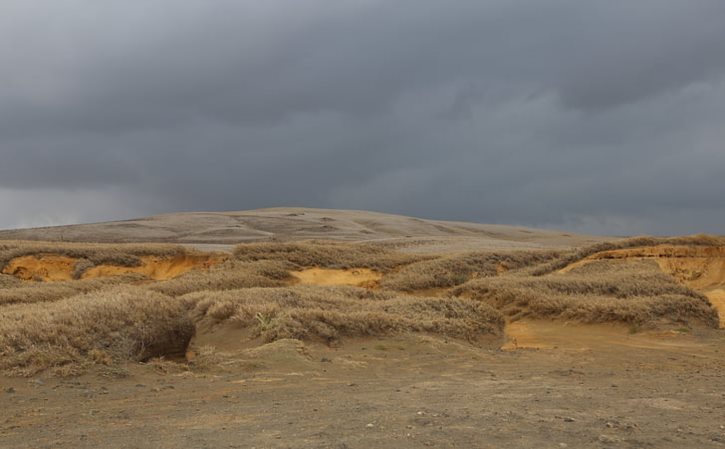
11 390
370 425
569 419
325 360
608 439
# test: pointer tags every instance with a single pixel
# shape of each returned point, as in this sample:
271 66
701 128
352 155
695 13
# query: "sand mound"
700 268
50 268
361 277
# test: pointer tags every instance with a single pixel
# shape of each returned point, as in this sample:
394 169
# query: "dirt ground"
611 389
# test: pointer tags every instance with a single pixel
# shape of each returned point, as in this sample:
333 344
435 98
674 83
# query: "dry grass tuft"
118 324
637 242
454 270
325 254
36 292
92 254
227 276
7 281
332 313
635 293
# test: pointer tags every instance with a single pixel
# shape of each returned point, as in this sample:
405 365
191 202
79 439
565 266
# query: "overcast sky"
592 116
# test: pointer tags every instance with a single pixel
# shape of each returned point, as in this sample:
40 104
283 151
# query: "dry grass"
227 276
69 325
575 256
454 270
7 281
118 324
325 254
332 313
635 293
91 254
37 292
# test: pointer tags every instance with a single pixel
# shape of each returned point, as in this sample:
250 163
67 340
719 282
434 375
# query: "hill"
290 224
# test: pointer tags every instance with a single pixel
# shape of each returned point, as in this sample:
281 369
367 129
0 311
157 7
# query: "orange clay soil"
43 268
49 268
700 268
361 277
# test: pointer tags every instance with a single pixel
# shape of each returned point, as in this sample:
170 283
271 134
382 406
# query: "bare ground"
405 393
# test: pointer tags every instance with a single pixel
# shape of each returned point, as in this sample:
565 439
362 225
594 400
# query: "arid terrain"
309 328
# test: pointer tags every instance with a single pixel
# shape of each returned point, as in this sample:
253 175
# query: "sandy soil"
717 299
363 277
46 268
407 392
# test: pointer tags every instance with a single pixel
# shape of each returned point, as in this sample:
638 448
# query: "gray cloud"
594 116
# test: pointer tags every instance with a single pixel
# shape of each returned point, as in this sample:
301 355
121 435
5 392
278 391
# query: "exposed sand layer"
45 268
156 268
700 268
717 298
50 268
361 277
544 334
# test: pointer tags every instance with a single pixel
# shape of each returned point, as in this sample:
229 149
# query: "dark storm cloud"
595 116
